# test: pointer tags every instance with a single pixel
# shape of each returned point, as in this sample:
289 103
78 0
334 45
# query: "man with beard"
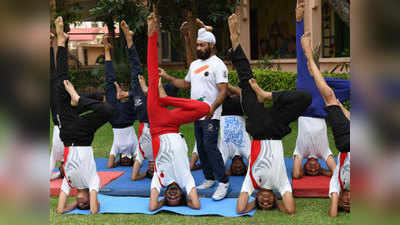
207 78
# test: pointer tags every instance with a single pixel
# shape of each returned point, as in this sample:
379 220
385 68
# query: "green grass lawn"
308 210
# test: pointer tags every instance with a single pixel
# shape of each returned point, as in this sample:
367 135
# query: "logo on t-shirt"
201 69
206 74
225 74
138 102
201 99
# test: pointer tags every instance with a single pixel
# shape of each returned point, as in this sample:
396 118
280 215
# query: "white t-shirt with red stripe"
80 169
344 171
144 149
204 75
172 164
266 168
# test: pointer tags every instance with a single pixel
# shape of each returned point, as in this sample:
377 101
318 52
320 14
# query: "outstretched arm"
179 83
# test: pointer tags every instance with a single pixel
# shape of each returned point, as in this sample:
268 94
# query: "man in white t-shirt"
144 151
267 172
207 78
312 143
339 189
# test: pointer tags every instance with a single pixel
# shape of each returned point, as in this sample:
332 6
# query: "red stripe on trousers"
255 151
66 152
343 156
156 147
141 126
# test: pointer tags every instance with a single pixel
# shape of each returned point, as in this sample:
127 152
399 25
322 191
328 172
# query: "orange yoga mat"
105 178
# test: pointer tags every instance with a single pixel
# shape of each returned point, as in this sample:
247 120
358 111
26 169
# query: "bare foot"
151 24
201 24
72 92
121 95
61 36
261 94
143 84
234 30
300 10
184 28
128 33
161 90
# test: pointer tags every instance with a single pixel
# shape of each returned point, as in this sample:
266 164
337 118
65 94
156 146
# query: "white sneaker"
206 184
221 191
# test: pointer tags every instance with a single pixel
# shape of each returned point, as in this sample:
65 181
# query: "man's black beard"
204 55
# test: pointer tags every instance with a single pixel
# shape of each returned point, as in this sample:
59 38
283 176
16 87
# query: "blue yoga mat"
112 204
123 186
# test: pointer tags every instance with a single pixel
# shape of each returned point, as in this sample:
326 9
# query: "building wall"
92 53
312 23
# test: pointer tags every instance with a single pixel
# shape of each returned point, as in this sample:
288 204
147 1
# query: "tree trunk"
342 8
190 39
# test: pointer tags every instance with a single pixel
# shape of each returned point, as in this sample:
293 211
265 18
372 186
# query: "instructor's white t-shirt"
204 75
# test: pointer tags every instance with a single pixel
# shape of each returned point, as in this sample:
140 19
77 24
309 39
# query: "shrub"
267 79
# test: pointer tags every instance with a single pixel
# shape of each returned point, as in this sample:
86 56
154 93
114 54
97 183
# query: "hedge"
267 79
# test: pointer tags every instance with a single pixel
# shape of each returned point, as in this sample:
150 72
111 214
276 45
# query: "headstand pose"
267 126
339 119
234 141
76 132
125 141
312 139
139 93
207 79
169 147
57 149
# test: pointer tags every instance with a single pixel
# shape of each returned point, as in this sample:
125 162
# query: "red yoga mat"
105 178
311 187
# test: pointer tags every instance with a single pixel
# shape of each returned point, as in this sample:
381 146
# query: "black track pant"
340 127
77 124
267 123
81 130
